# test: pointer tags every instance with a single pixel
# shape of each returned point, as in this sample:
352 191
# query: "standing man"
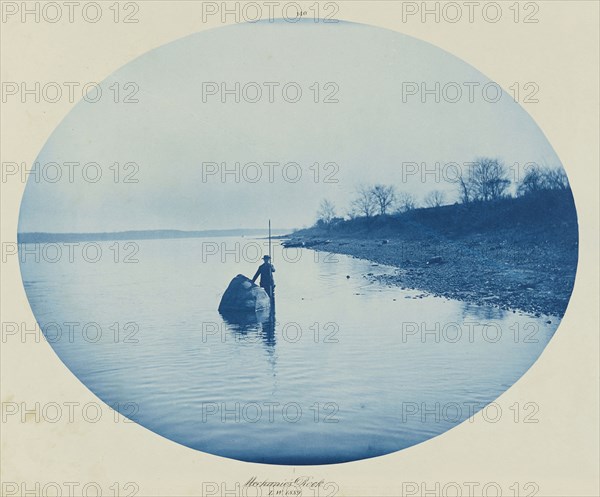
266 270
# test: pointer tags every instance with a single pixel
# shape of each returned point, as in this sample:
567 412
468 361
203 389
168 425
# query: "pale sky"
171 132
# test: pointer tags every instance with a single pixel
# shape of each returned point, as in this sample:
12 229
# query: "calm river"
348 368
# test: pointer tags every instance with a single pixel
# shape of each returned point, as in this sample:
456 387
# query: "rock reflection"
252 324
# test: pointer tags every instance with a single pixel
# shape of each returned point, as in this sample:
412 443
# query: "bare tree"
555 179
384 196
488 179
464 189
435 198
326 212
537 179
364 204
406 202
532 182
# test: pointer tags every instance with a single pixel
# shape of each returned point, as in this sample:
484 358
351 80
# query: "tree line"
485 180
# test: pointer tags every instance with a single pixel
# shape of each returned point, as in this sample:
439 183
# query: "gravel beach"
531 269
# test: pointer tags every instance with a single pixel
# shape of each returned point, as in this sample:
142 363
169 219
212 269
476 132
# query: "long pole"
270 262
269 239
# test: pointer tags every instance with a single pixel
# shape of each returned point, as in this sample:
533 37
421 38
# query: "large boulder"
244 296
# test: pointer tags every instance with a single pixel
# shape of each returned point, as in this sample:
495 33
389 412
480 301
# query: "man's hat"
265 257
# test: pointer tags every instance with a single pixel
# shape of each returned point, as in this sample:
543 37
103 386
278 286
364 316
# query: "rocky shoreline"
526 271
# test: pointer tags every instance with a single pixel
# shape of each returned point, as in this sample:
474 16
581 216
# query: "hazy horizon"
157 229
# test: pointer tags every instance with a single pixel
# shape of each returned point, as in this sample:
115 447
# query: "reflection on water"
345 369
260 323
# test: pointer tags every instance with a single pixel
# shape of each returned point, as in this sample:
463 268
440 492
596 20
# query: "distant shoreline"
41 237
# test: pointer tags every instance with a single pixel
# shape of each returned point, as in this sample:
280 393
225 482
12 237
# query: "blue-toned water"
346 371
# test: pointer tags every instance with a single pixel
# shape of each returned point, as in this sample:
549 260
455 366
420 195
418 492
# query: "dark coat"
265 271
